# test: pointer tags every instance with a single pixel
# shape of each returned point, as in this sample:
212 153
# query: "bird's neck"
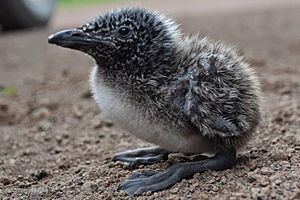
139 78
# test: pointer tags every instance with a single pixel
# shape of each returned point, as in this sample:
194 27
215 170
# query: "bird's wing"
210 102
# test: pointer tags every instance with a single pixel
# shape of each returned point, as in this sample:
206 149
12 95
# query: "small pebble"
5 181
90 186
277 156
40 174
40 113
78 113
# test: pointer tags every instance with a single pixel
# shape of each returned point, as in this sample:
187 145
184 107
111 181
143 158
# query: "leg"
155 181
144 156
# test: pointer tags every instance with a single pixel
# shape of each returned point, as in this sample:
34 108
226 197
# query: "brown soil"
54 144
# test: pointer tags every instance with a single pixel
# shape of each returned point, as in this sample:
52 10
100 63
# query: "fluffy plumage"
184 94
190 83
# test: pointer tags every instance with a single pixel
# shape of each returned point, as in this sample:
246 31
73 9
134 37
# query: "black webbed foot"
153 181
141 156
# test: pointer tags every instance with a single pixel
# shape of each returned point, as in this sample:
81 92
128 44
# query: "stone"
90 187
279 155
40 113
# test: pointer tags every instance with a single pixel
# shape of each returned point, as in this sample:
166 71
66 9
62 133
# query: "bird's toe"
140 175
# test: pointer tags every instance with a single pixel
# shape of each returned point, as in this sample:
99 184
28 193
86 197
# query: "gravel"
55 144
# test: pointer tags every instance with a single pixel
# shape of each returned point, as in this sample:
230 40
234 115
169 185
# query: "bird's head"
129 38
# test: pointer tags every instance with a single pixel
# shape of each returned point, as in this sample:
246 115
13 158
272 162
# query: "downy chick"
184 94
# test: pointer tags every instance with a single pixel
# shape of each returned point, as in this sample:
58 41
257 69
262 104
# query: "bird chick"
184 94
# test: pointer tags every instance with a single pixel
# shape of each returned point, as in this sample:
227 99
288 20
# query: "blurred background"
54 143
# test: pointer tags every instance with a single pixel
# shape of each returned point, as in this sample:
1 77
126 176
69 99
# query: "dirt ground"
54 143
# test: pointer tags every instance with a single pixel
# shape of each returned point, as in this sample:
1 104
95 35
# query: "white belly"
115 106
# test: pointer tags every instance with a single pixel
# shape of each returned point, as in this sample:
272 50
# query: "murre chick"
184 94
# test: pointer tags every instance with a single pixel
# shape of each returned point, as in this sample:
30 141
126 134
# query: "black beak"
77 39
73 38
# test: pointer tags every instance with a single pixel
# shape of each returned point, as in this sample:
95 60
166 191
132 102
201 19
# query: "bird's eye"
124 31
